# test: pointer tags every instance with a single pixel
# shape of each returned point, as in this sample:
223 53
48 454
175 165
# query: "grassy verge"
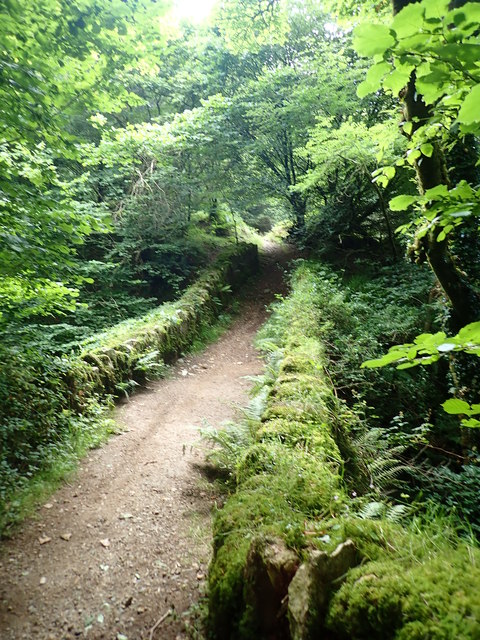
59 461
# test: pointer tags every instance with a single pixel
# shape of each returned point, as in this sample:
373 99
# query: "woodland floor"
127 540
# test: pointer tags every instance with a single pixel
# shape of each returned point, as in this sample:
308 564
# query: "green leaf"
472 423
370 39
407 365
401 203
413 155
469 14
427 149
470 333
388 358
429 341
381 180
377 71
435 8
435 193
373 79
364 88
389 172
454 406
396 80
470 110
458 53
406 22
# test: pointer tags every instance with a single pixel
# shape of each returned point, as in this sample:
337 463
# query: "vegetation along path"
125 545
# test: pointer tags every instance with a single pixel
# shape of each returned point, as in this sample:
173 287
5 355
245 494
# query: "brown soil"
122 550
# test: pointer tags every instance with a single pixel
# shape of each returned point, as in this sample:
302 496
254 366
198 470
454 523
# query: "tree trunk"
431 172
388 223
299 206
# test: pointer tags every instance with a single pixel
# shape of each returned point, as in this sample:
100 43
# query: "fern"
382 463
372 510
126 387
258 383
398 512
256 407
226 446
380 510
150 363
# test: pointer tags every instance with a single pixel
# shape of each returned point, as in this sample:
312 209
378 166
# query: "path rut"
126 543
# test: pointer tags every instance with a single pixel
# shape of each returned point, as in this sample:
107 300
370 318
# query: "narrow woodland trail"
127 540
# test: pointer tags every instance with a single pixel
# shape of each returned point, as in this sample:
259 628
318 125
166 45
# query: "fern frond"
372 510
397 512
377 510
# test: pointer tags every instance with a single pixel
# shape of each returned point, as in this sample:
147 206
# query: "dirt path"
127 541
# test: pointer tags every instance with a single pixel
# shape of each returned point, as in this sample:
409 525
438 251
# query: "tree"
306 77
429 54
345 199
60 60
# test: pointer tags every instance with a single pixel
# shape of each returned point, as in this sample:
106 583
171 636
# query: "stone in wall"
269 570
310 589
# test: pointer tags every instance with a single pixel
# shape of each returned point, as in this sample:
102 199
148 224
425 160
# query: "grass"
210 333
59 464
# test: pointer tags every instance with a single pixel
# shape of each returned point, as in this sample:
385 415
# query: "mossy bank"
294 556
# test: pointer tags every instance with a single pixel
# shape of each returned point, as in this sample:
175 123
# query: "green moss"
169 329
285 411
414 583
253 509
376 538
437 598
226 602
287 476
313 437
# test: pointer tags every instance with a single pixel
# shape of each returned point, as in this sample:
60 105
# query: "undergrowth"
22 492
411 448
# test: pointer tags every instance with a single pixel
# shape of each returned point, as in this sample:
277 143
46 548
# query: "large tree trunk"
431 172
462 165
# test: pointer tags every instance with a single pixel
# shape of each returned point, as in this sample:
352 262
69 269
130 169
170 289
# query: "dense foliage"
68 395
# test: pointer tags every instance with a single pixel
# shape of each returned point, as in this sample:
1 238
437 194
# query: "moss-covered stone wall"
291 558
129 349
54 405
